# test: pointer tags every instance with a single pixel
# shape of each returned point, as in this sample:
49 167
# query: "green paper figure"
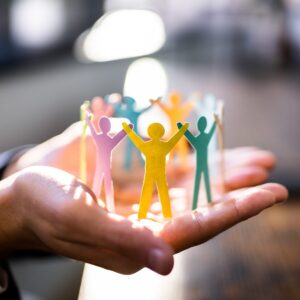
127 109
200 144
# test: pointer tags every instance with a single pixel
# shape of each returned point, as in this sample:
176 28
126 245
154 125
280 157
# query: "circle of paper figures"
95 115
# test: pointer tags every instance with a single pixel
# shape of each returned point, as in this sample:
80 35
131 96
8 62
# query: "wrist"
15 235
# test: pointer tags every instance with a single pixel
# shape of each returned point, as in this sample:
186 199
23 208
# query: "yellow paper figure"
177 112
155 151
82 160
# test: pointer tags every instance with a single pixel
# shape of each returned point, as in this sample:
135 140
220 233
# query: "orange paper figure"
177 112
155 151
105 144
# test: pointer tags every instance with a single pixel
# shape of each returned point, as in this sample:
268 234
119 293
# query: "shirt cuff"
7 156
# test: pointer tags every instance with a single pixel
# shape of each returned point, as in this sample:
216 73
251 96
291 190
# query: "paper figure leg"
196 188
163 192
146 197
97 184
109 193
207 184
128 154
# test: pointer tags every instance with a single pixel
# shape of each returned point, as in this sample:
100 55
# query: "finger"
97 256
243 177
277 189
92 226
196 227
135 241
249 157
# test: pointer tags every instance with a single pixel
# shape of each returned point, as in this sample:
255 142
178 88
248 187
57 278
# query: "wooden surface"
258 259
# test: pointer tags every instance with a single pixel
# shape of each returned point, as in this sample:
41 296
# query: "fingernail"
156 260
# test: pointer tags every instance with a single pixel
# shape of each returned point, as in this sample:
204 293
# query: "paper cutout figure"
200 144
105 145
99 109
82 160
155 151
127 110
206 107
177 112
219 119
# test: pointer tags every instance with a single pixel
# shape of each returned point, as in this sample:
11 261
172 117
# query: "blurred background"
56 53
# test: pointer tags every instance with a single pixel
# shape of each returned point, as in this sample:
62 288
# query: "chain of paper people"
95 115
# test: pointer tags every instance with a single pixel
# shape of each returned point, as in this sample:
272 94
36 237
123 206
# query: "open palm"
87 228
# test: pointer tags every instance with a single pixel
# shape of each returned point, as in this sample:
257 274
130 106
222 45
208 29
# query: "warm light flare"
122 34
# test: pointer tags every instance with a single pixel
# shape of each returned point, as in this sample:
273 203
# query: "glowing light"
36 23
122 34
116 124
146 79
133 286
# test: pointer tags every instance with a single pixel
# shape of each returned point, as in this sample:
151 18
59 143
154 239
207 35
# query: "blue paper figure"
126 109
200 144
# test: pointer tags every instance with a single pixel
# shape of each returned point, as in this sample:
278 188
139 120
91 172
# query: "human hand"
55 212
60 214
59 205
196 227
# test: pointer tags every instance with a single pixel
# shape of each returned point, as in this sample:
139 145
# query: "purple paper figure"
105 145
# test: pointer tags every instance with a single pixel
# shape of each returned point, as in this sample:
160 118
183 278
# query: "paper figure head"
156 131
104 124
202 123
84 108
97 104
129 101
175 98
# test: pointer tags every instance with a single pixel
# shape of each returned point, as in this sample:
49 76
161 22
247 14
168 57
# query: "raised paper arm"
138 142
176 137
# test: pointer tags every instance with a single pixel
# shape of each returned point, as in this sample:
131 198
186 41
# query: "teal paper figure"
200 144
126 109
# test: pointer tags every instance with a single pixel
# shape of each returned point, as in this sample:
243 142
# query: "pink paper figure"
100 108
105 145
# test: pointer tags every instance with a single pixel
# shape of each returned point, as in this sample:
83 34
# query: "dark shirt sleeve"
8 287
7 156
